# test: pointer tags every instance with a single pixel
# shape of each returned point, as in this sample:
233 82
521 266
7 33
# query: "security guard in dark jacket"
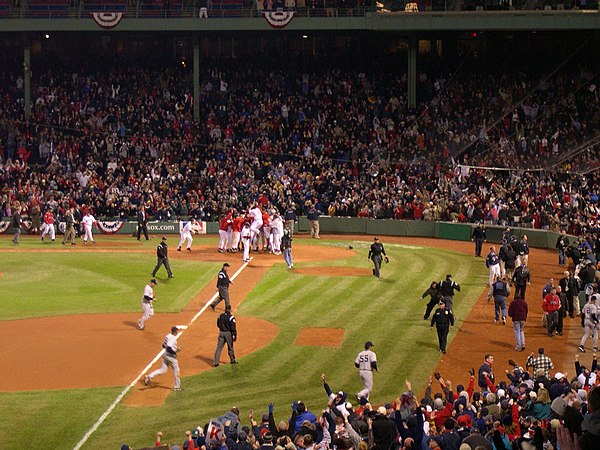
227 334
443 319
478 235
142 223
447 288
162 256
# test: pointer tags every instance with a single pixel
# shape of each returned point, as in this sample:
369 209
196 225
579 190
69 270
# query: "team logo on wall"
278 19
110 227
107 19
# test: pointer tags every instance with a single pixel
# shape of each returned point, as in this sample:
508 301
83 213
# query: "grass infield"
387 311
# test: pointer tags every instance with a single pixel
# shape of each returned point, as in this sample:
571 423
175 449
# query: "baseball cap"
164 238
174 330
375 238
226 265
368 344
559 375
382 410
153 280
448 276
441 302
340 393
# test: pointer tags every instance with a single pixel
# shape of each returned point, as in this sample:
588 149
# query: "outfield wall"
354 225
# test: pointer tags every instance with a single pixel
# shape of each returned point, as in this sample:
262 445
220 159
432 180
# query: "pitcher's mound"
335 271
320 337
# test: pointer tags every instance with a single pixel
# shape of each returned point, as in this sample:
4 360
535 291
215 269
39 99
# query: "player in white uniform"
246 235
256 225
186 235
591 322
366 362
88 222
147 303
276 234
169 359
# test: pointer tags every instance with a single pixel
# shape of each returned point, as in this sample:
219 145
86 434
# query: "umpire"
375 254
162 255
223 283
227 334
443 319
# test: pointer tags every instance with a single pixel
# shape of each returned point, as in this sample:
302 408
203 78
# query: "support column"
196 79
412 70
27 78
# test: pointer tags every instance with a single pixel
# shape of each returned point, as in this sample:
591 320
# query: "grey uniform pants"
165 262
223 295
224 337
376 264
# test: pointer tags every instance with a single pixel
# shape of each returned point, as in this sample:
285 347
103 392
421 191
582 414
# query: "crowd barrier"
343 225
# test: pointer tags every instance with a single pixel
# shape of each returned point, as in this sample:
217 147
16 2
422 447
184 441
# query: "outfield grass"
387 311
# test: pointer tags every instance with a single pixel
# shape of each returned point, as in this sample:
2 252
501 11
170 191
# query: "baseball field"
74 358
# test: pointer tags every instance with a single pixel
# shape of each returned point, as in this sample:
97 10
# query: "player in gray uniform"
591 322
223 283
169 359
366 362
147 300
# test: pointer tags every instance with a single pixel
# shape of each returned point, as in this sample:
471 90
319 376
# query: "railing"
231 9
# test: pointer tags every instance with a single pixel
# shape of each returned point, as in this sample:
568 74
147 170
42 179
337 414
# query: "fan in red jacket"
551 305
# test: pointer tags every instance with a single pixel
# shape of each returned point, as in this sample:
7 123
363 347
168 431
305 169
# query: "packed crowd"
343 140
534 407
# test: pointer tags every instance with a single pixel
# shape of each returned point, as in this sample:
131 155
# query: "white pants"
266 233
147 312
229 243
186 237
222 239
255 232
236 240
523 259
203 13
494 271
167 361
48 228
590 330
88 233
276 242
246 243
502 268
366 376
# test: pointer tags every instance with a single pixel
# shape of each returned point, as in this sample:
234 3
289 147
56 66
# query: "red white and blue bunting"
107 20
278 19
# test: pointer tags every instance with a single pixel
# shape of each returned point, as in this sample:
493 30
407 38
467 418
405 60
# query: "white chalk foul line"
124 392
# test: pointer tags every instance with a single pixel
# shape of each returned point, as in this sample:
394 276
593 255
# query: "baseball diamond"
264 291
